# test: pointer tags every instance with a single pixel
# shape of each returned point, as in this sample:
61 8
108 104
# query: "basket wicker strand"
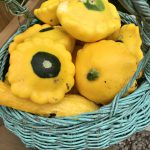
97 130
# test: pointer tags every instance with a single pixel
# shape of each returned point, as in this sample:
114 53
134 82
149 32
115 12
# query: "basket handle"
141 9
18 9
1 113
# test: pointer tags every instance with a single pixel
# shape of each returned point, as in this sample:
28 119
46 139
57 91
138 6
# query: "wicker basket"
97 130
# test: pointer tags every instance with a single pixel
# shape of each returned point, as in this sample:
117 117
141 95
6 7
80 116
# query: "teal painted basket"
97 130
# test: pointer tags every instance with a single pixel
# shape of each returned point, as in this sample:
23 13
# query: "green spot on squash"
97 5
119 41
46 29
45 65
92 75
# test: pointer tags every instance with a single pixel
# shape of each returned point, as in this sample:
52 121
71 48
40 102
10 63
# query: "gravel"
139 141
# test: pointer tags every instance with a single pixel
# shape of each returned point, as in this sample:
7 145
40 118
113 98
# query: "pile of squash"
76 61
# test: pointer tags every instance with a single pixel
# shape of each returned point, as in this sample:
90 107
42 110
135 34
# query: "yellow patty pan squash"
57 34
88 20
41 70
26 34
103 69
47 12
70 105
130 36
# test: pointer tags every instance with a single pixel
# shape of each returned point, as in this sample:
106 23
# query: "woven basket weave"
97 130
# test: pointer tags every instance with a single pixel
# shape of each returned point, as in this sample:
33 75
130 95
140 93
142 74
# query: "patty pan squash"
47 12
103 69
26 34
57 34
88 20
41 70
66 107
130 36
